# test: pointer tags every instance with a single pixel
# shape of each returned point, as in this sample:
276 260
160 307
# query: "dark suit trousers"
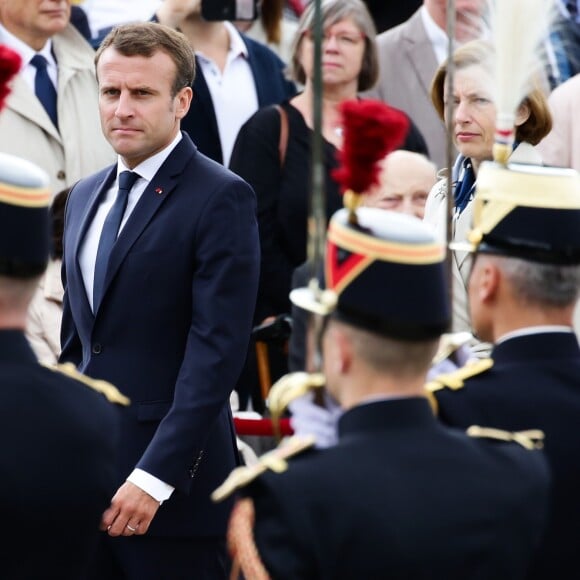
160 558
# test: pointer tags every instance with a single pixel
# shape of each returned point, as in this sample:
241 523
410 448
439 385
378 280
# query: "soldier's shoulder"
529 439
456 380
108 390
275 460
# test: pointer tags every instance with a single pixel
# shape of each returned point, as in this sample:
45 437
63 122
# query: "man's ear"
342 349
488 280
184 97
523 113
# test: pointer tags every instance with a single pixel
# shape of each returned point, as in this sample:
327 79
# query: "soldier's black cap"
24 221
526 211
386 273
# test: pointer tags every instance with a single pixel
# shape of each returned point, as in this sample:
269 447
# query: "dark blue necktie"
44 88
109 233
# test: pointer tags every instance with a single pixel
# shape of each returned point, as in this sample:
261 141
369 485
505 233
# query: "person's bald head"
405 181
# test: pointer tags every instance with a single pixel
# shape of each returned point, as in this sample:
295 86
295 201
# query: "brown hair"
271 13
146 39
333 11
480 52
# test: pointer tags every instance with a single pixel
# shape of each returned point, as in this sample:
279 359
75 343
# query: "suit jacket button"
97 349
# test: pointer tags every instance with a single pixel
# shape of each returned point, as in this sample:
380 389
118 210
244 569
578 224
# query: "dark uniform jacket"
534 383
59 440
402 496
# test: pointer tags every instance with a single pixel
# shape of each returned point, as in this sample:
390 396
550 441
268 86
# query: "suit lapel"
262 88
415 39
161 186
202 95
85 221
23 101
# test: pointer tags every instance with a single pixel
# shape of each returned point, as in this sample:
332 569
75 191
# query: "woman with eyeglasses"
278 168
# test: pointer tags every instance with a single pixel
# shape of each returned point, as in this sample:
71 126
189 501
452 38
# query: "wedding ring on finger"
131 528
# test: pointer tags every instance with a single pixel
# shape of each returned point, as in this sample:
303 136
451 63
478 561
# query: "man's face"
468 17
34 21
139 115
405 181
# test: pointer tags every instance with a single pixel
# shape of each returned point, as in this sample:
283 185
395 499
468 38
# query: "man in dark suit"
164 311
400 495
59 435
523 287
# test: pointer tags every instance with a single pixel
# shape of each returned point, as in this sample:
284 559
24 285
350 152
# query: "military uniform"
533 383
532 380
60 441
58 429
400 495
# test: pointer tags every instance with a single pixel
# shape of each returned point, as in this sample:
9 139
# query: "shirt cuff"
157 489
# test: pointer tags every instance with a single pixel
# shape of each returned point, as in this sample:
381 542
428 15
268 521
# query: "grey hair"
333 11
551 285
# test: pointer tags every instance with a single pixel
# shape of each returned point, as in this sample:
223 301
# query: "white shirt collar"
25 51
437 36
237 45
148 168
533 330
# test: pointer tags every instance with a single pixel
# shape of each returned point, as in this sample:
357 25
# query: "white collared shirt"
28 71
439 39
88 251
233 92
147 169
533 330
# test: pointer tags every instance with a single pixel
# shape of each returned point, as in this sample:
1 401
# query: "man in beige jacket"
75 146
409 55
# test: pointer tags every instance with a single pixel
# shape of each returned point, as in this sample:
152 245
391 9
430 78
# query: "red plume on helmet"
371 130
10 62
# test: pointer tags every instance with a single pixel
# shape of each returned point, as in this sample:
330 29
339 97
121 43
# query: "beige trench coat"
79 149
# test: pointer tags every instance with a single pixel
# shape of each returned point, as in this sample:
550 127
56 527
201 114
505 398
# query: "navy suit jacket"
173 325
271 86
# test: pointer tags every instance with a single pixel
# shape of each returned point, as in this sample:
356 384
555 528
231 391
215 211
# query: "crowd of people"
157 171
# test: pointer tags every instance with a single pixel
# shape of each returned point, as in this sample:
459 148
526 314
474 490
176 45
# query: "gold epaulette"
530 439
455 380
274 460
111 392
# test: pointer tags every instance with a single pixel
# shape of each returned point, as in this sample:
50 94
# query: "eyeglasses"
343 39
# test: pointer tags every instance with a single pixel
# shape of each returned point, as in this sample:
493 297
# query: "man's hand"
130 513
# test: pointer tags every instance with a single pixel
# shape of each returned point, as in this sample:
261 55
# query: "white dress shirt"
233 91
156 488
439 39
28 71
